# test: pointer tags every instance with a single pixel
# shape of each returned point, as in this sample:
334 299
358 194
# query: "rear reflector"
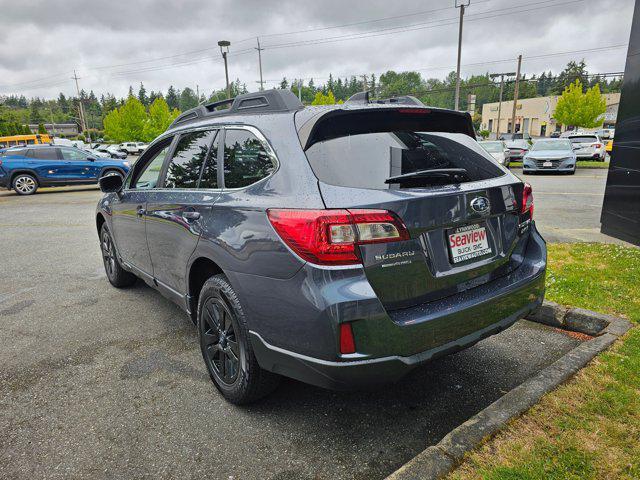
331 237
347 343
527 200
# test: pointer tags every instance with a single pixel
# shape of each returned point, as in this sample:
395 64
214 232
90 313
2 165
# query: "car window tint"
70 154
43 153
148 178
188 158
245 159
370 160
209 177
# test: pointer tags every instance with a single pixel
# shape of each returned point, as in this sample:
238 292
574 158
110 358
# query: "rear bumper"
394 343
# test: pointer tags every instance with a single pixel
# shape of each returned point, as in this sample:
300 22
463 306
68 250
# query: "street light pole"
461 5
224 49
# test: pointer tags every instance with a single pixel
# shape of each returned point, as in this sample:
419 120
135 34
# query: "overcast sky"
118 43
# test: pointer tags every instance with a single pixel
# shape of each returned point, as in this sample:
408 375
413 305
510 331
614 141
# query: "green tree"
188 99
172 97
127 122
322 99
142 95
581 109
41 128
160 117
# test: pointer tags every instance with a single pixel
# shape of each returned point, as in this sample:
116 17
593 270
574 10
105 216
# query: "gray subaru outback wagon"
340 245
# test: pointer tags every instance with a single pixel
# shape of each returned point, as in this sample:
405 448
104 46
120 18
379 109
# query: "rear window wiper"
455 173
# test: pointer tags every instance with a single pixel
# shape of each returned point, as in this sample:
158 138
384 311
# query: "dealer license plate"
468 242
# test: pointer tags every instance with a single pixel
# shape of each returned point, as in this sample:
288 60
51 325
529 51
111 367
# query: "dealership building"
535 115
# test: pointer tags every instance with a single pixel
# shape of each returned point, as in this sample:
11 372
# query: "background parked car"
26 169
498 150
550 155
517 143
112 151
132 148
588 146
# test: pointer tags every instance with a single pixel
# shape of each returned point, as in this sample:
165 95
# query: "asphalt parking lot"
567 208
105 383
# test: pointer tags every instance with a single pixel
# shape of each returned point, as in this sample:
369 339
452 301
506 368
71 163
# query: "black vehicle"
339 245
621 208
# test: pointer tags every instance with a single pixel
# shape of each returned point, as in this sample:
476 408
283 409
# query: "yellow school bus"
22 140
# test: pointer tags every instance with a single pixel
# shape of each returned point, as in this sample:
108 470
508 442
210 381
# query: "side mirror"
111 183
91 159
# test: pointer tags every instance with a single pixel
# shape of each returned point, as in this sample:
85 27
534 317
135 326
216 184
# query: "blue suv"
24 169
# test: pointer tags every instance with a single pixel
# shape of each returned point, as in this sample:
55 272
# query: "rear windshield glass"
551 145
583 139
400 160
493 147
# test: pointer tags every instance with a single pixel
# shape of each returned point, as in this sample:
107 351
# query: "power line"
419 26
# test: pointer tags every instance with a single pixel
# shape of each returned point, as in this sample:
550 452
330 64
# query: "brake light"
597 145
347 342
414 111
527 200
331 237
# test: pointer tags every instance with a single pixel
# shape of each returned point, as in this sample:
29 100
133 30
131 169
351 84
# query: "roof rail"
364 97
269 101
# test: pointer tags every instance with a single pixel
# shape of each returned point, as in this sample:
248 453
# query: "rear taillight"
347 342
331 237
597 145
527 200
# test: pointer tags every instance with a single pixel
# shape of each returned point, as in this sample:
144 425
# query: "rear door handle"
190 215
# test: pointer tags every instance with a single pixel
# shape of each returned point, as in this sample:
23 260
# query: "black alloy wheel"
220 346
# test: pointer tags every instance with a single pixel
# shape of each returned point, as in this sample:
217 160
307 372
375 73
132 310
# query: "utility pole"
260 63
83 125
364 83
501 75
224 50
299 90
515 96
462 5
198 93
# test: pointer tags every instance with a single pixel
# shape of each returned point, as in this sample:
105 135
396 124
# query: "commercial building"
58 129
535 115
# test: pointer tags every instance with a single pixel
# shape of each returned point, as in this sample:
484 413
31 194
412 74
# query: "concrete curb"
438 460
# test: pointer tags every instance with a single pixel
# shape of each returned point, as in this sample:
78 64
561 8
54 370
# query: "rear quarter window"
369 160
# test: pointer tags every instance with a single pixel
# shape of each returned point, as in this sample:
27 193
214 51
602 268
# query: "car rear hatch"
465 229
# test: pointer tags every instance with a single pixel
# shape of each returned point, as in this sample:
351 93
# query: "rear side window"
400 159
246 160
188 159
71 154
43 153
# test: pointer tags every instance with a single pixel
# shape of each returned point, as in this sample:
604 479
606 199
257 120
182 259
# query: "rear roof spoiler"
341 122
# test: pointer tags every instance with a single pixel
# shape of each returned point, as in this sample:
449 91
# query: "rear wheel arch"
202 269
20 171
100 221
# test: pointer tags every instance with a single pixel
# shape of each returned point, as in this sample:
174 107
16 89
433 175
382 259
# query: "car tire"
25 184
117 275
225 345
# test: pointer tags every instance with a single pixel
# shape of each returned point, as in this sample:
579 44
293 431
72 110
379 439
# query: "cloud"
41 42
